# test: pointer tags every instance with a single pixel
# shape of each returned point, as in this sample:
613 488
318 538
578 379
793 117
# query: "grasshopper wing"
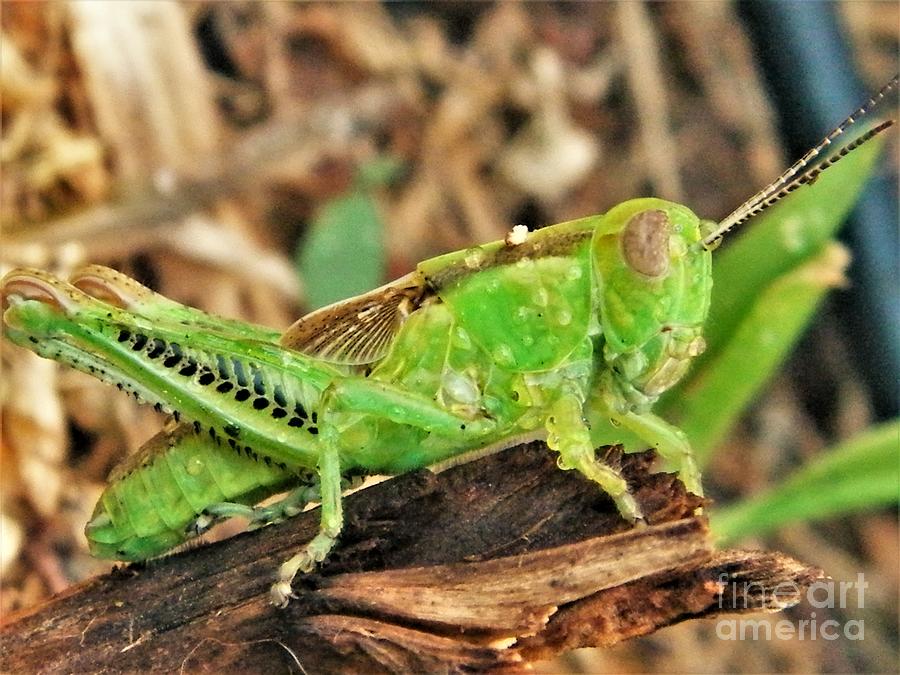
358 330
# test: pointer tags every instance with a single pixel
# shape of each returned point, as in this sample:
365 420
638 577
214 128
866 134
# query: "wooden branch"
485 567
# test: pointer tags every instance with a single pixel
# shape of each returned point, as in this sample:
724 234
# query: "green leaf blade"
719 394
781 239
861 474
343 255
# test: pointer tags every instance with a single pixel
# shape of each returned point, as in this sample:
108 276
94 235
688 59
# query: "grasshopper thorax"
653 281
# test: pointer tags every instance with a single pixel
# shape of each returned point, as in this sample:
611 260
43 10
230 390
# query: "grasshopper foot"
628 506
280 594
315 552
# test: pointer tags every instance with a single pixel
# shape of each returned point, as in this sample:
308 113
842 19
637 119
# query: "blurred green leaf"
862 473
343 253
752 324
780 239
720 393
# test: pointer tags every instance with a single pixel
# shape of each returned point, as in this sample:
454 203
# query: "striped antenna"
790 181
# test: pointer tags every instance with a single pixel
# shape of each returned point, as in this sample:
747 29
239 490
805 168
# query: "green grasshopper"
569 333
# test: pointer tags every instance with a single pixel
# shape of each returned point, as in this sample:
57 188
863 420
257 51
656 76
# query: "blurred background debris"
228 154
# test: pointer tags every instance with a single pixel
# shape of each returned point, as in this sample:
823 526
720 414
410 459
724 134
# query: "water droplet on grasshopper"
474 257
574 272
463 341
564 317
540 297
194 466
503 354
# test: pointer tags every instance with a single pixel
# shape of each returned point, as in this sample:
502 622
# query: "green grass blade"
781 239
863 473
343 254
717 396
752 326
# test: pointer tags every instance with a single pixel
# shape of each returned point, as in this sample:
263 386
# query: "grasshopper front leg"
614 421
669 441
568 434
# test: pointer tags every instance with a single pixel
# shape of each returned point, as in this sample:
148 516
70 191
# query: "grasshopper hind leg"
258 516
385 401
568 435
287 507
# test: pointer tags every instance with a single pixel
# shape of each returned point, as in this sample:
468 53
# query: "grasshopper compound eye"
645 243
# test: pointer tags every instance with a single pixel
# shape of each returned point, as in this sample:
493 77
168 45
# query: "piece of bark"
484 567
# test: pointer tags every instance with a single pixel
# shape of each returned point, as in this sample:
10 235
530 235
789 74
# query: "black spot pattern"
239 373
259 386
247 382
157 348
140 341
190 369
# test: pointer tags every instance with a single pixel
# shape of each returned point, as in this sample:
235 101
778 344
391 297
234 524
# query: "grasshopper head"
653 280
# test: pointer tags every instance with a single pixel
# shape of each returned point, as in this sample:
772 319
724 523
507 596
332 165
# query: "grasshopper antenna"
789 181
